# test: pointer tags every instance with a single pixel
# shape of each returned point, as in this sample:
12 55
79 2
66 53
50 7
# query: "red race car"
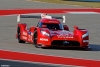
51 32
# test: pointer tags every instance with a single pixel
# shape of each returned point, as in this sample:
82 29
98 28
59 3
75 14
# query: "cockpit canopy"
54 26
51 26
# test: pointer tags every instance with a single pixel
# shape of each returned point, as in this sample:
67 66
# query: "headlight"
85 35
45 33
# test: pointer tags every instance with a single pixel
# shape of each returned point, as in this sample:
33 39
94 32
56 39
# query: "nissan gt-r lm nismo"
51 32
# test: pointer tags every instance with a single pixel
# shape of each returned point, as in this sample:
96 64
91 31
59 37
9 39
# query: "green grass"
86 4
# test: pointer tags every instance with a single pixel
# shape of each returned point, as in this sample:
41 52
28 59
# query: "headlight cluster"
45 33
85 35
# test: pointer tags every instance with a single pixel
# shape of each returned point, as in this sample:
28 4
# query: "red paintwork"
45 20
48 11
23 56
76 35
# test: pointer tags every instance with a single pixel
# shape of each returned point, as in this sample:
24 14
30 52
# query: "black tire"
19 40
35 38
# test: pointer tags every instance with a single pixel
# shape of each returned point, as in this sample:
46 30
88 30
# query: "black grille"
64 43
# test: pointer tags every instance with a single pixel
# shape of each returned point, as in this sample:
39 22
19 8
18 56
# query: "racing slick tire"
19 33
35 38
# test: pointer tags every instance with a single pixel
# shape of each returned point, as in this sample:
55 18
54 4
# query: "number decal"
29 37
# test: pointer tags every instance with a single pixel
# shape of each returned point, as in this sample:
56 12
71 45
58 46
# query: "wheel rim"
35 39
18 36
18 33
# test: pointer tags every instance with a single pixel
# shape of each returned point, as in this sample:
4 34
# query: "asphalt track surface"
13 63
7 63
8 30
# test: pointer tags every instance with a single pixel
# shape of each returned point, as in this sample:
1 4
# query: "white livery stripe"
85 40
83 13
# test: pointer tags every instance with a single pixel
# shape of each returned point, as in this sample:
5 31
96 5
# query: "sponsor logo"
24 37
29 37
65 36
43 39
24 33
30 33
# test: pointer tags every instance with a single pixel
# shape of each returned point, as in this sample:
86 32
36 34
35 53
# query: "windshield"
53 26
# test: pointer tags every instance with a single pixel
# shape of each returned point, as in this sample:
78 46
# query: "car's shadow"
93 47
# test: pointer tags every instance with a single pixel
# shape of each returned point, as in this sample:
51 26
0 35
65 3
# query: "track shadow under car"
95 47
92 47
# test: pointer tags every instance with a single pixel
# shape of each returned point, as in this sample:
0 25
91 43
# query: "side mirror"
75 27
44 26
66 27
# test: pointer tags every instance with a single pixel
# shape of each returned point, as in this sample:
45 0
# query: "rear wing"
49 11
39 16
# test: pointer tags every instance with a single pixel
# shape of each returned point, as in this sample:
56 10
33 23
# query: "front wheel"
35 38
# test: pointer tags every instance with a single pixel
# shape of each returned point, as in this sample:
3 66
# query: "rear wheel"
19 33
